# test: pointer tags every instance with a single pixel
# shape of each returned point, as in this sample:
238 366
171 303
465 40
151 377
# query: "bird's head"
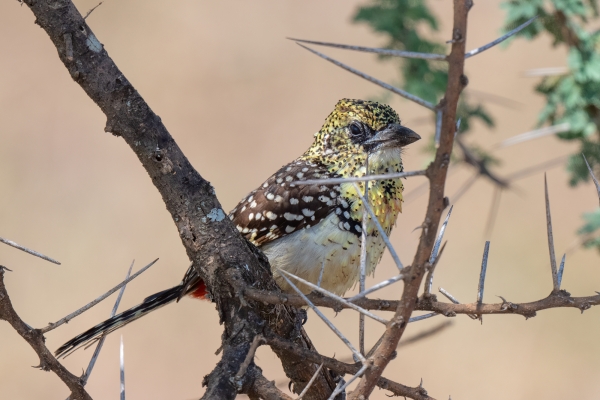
359 128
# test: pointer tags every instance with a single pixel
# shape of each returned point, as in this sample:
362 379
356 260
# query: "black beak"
393 135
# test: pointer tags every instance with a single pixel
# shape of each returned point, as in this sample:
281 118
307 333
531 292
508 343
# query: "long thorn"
98 348
453 299
481 285
489 226
384 85
69 317
535 134
340 389
592 175
327 322
381 231
438 240
336 297
548 71
525 172
422 317
376 287
309 384
429 279
366 178
376 50
561 269
550 237
26 250
500 39
122 369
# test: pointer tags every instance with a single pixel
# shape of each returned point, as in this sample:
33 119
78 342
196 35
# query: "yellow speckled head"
371 113
350 125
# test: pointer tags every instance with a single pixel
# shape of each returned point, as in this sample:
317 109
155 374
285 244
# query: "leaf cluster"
572 97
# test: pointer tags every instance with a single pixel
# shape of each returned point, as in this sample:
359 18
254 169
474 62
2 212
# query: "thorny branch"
561 299
437 178
35 338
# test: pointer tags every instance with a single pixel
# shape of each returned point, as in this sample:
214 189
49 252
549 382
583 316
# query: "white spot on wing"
307 212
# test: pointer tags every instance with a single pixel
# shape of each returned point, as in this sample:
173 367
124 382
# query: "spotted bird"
304 228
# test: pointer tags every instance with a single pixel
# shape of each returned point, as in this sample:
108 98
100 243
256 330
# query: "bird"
310 230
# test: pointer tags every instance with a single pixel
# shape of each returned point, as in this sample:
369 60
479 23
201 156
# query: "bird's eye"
355 129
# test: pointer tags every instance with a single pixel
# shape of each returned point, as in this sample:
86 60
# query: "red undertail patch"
200 291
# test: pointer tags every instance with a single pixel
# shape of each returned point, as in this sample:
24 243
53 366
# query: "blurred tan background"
241 101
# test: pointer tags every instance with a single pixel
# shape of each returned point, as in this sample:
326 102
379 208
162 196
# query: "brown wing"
279 207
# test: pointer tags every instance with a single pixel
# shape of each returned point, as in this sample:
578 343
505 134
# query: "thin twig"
331 326
308 385
98 348
92 10
500 39
69 317
550 237
384 85
336 297
257 341
376 50
366 178
381 231
484 261
592 175
26 250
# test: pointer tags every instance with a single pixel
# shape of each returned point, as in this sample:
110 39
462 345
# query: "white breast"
303 252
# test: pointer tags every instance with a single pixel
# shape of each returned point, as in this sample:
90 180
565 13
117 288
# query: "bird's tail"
149 304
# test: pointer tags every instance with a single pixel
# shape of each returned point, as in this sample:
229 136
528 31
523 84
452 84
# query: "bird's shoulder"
283 205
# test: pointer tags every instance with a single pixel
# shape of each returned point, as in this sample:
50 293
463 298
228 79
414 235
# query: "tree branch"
436 173
35 338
